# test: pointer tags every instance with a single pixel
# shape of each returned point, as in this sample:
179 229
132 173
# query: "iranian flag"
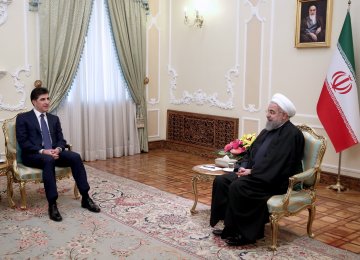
338 105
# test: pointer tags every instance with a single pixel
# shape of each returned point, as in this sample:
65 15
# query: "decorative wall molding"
3 10
254 13
271 41
200 97
257 120
153 23
157 112
20 88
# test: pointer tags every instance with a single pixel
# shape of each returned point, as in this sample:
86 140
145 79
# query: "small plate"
228 169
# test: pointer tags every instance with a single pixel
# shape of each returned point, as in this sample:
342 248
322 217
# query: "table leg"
194 181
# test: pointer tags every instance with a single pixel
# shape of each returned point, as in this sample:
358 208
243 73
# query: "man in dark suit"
43 146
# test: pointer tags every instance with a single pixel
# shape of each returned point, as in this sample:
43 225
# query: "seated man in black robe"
240 197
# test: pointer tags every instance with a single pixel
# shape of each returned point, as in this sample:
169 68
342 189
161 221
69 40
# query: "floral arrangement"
236 148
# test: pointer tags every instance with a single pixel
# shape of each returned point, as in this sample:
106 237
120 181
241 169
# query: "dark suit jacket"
29 136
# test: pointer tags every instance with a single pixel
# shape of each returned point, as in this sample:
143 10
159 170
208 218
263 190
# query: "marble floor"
337 220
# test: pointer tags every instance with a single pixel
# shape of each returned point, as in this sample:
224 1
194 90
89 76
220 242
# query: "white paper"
228 169
210 168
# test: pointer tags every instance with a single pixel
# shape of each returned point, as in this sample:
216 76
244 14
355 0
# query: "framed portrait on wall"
313 23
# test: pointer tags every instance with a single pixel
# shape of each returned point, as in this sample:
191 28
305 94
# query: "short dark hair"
37 92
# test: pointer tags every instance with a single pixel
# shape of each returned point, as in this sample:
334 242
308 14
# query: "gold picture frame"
313 23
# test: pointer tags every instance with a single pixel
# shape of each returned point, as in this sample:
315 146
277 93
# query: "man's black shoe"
238 241
54 213
221 233
89 204
217 232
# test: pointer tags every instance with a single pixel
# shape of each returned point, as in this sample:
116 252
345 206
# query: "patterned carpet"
136 222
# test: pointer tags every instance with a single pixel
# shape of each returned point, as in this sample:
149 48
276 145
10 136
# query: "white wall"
245 47
19 64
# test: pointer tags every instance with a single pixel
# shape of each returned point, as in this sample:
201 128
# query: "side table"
202 175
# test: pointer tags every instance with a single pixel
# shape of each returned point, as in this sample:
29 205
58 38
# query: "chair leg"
274 231
10 190
76 192
23 195
312 212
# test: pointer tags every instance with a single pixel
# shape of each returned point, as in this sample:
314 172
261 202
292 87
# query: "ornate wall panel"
153 55
250 125
181 94
19 88
153 127
207 132
13 95
153 88
253 61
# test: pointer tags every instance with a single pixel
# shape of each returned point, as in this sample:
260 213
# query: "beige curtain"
128 21
98 115
63 27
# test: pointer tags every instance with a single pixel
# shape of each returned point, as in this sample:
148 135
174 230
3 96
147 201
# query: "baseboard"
327 178
180 147
156 144
348 182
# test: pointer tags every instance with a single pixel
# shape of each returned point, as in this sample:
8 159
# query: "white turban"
284 103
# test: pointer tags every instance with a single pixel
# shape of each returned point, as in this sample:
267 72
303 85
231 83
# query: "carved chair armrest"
297 179
302 176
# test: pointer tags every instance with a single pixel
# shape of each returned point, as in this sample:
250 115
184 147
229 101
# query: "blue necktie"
45 133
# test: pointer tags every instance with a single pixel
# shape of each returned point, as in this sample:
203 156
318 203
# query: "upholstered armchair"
20 173
301 193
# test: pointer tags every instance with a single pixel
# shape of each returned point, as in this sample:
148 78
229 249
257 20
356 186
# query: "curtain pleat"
63 27
99 115
128 23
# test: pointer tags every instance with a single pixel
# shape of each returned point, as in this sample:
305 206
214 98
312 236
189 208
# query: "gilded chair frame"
301 192
19 173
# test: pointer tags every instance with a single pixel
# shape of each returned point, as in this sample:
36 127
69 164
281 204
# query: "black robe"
242 201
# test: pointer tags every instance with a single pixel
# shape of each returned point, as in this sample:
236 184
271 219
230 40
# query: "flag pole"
338 187
330 102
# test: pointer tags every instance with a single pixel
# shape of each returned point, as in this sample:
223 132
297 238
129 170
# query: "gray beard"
271 125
